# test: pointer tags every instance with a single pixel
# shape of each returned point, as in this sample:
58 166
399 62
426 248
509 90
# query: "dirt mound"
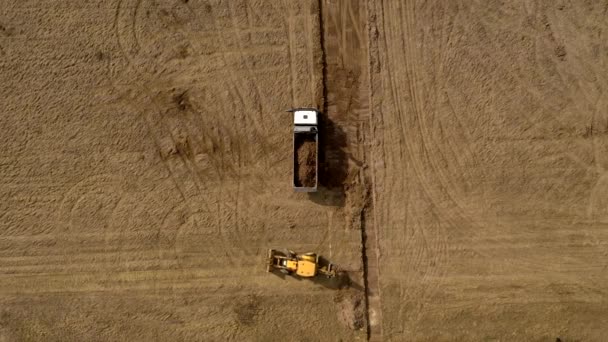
247 311
182 100
306 157
351 309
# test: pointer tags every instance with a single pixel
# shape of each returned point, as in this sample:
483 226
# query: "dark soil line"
365 269
323 57
365 207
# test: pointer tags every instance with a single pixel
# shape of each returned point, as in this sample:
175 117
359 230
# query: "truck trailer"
305 149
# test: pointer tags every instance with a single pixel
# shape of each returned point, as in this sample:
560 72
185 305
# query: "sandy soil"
146 168
305 159
489 150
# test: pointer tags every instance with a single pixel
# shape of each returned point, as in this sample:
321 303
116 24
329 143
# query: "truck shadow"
333 164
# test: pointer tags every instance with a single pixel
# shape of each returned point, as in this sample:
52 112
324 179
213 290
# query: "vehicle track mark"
347 106
134 25
307 18
190 167
235 236
145 89
257 102
417 165
74 195
291 39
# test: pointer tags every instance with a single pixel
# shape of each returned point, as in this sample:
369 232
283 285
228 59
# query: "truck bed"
305 159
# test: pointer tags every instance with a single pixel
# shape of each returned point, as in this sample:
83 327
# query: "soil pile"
306 159
351 310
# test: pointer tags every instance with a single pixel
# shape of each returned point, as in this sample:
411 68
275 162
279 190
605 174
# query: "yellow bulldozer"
306 265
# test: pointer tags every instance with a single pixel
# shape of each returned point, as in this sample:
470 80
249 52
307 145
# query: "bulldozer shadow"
340 281
281 274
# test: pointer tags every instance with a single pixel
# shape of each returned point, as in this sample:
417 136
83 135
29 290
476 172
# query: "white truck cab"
305 117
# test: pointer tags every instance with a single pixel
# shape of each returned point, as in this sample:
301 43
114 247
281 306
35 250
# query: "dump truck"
305 265
305 149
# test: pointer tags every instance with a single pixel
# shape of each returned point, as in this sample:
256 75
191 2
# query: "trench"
343 124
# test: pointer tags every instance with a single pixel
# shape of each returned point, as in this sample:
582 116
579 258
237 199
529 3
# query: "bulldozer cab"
290 264
285 263
306 268
303 265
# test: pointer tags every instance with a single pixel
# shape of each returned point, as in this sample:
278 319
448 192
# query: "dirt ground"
146 168
489 149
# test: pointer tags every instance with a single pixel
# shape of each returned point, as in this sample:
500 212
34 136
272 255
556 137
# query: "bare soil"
352 309
144 171
489 167
305 160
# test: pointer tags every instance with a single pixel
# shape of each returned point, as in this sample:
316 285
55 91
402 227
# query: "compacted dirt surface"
489 149
145 169
146 166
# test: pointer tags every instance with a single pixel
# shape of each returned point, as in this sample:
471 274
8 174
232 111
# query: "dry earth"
305 160
145 170
489 164
146 167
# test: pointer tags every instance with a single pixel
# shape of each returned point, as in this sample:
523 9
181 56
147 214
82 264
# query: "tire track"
157 108
234 78
446 191
416 164
260 123
134 25
290 35
236 235
595 141
156 211
347 107
92 184
110 225
312 47
258 98
131 66
456 215
547 32
441 250
438 243
191 169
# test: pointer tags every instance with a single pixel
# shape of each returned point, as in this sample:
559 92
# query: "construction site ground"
146 168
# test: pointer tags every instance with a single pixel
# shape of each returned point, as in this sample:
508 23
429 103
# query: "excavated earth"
145 169
305 159
490 151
